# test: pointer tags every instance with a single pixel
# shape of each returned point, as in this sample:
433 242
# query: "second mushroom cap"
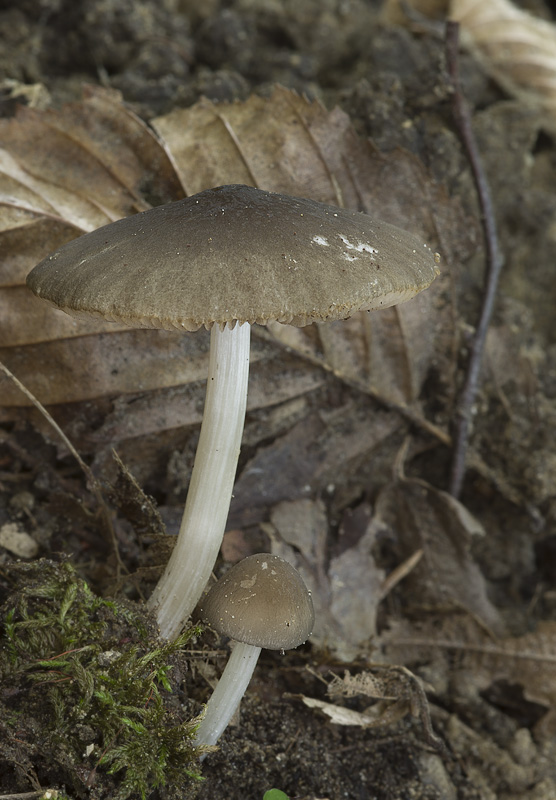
261 601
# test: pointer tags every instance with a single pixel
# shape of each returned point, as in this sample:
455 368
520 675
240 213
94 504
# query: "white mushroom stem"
228 693
212 481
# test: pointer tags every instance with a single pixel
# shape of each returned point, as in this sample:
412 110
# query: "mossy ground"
88 694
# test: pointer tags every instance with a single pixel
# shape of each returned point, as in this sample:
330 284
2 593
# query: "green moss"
89 700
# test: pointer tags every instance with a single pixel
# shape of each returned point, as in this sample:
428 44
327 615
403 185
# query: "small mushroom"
260 602
224 259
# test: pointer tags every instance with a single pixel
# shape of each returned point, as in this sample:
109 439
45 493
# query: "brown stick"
494 262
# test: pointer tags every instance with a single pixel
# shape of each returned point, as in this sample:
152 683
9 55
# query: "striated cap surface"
235 254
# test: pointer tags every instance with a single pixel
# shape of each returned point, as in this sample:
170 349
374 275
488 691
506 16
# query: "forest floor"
349 436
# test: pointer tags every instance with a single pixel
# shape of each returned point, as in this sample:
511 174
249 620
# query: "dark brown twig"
494 262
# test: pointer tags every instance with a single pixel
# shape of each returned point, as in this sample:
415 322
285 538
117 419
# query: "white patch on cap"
359 247
321 240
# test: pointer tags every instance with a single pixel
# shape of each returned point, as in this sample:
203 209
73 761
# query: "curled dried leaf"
426 518
516 48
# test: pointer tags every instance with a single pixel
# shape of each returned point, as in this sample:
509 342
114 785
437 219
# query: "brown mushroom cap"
261 601
235 253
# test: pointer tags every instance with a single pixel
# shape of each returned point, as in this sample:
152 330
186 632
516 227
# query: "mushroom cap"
261 601
235 254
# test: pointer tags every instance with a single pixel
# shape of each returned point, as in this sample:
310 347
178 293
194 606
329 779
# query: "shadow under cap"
261 601
235 254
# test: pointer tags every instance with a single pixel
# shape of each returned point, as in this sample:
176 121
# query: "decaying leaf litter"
334 437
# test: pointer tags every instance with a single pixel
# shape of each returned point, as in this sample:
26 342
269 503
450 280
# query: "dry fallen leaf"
63 173
397 690
287 144
515 47
339 715
422 517
529 660
320 451
387 353
307 151
271 381
97 162
346 592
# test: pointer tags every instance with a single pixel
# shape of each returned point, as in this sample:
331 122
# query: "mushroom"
261 601
223 259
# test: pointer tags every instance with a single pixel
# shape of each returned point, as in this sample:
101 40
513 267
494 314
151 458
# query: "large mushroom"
260 602
224 259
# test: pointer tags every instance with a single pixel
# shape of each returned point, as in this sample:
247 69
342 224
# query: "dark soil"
392 82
